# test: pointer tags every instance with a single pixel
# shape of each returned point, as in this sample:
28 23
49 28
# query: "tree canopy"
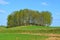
29 17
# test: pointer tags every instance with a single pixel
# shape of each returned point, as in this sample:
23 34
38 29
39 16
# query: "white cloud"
44 3
3 2
2 11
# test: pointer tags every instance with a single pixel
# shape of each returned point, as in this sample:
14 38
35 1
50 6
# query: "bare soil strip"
51 35
53 38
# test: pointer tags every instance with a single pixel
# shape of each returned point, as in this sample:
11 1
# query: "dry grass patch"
53 38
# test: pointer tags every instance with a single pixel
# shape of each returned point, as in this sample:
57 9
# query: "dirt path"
51 35
53 38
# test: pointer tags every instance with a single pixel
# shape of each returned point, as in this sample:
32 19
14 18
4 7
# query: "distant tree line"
29 17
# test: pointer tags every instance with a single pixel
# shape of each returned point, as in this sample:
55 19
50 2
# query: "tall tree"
29 17
46 17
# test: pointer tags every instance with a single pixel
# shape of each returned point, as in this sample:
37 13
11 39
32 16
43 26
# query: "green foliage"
29 17
47 18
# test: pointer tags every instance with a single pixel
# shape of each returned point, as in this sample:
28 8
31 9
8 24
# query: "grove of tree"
29 17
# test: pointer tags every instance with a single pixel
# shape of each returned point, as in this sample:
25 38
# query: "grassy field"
21 37
14 33
31 29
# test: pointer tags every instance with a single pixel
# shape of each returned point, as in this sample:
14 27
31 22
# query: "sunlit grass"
21 37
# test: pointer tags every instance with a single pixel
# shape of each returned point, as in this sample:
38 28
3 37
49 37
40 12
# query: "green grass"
32 29
21 37
14 33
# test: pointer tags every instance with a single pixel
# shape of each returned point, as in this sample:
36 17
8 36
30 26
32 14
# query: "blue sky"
8 6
